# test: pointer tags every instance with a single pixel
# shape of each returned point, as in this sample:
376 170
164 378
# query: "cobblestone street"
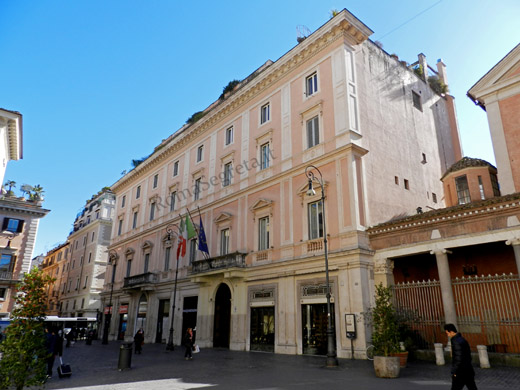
156 368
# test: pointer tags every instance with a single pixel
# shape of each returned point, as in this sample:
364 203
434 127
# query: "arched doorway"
221 325
142 308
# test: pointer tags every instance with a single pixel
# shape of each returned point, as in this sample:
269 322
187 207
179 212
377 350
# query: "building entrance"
222 317
162 320
189 314
314 328
262 329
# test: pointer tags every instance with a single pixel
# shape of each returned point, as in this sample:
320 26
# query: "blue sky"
100 83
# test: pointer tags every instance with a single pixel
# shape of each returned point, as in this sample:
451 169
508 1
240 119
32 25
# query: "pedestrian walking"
462 373
139 341
188 341
51 347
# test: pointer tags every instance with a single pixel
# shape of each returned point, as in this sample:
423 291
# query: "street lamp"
332 361
169 230
112 259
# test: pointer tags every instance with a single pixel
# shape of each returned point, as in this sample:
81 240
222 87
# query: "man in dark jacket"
462 372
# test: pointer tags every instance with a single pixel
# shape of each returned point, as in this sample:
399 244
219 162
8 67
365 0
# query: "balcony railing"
146 278
230 260
5 275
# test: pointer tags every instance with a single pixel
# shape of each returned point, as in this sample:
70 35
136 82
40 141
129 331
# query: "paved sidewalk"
157 369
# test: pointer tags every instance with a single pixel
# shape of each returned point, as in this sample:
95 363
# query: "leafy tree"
10 184
37 193
24 353
385 336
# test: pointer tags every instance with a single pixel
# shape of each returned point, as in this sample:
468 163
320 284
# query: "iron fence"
488 311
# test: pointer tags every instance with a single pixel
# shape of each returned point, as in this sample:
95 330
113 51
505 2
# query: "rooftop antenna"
302 32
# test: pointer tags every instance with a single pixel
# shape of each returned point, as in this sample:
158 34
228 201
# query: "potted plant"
385 334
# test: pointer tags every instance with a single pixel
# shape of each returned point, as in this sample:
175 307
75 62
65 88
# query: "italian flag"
187 233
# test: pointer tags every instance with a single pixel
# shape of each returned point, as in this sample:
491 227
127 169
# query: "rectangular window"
396 180
123 201
77 284
264 156
416 99
406 184
229 135
86 281
196 189
92 238
74 304
224 241
481 188
461 184
263 233
193 250
81 261
200 153
138 192
167 258
119 228
146 262
434 197
265 113
5 263
134 220
315 220
494 184
84 240
173 196
152 211
82 303
313 132
155 180
128 268
311 84
89 257
73 263
70 285
3 293
175 168
12 225
228 174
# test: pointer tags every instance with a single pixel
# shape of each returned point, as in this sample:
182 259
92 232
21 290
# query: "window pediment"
223 217
129 252
147 246
261 204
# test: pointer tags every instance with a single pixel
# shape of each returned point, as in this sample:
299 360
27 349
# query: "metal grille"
488 311
419 304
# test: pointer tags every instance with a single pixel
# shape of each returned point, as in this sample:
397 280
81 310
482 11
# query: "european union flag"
203 245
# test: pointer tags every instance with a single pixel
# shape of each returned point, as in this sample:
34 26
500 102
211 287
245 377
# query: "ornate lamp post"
332 361
112 259
170 346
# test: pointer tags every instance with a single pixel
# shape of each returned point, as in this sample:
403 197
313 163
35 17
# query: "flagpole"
170 346
206 255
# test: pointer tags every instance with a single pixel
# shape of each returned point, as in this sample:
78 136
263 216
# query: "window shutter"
20 226
5 223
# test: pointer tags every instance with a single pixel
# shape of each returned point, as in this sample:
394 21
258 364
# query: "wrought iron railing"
488 310
146 278
231 260
5 275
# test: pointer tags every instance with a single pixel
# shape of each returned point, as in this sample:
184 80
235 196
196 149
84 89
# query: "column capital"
513 241
440 252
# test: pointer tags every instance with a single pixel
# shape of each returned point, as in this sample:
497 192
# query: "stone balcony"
5 275
147 278
230 260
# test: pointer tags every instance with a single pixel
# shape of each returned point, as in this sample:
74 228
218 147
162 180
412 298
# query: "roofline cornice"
343 26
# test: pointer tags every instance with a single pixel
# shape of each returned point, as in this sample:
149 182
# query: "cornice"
22 207
344 26
450 214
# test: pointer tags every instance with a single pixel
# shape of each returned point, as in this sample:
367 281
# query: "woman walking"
139 341
188 343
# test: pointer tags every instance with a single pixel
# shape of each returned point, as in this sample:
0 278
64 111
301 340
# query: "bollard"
125 356
483 356
439 354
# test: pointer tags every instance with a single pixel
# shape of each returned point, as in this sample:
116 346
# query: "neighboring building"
11 137
380 135
461 264
498 93
55 264
19 215
80 263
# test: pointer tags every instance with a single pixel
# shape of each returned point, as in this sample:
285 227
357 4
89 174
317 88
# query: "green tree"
24 353
385 335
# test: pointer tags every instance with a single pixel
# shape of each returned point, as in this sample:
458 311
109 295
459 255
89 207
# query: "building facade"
79 265
380 138
498 93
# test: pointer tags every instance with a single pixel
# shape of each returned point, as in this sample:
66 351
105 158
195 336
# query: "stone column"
424 65
516 248
384 272
448 301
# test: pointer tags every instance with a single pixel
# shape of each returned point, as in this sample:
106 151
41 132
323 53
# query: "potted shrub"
385 334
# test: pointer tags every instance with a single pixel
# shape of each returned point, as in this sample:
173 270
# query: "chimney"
441 70
424 66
